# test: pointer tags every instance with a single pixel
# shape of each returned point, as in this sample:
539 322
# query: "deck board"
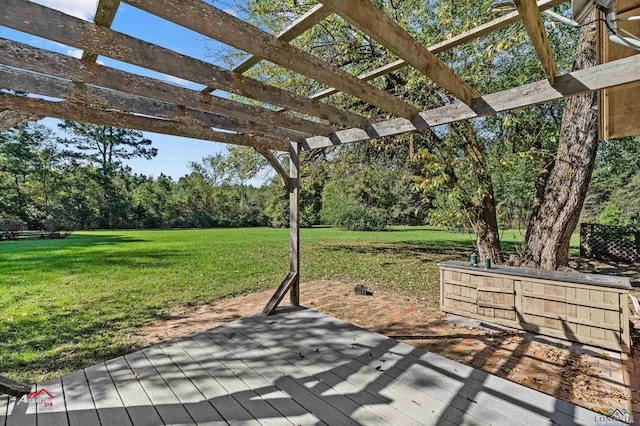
81 409
341 389
4 406
298 367
109 405
138 405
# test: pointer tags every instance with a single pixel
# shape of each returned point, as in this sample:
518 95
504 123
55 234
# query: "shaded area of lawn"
67 304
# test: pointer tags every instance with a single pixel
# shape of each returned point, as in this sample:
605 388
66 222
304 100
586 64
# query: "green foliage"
611 215
363 201
614 191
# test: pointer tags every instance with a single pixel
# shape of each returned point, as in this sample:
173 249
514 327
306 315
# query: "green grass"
67 304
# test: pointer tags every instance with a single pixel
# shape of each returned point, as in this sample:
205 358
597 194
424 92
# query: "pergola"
102 95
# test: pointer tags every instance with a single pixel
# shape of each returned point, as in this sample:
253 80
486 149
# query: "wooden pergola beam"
465 37
105 14
293 31
603 76
532 21
9 119
371 20
29 82
20 55
32 18
65 110
276 164
219 25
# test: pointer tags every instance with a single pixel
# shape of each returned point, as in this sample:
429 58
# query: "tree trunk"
550 227
483 217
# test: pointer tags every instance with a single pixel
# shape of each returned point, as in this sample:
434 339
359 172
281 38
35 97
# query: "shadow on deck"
296 367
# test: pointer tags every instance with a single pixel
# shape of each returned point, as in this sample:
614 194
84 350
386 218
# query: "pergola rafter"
30 82
293 31
67 110
532 21
104 95
373 21
105 14
616 73
456 40
19 55
41 21
215 23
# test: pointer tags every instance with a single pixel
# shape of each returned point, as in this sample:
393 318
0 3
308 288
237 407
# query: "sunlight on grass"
67 304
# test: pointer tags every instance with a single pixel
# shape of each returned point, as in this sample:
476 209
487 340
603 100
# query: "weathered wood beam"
20 55
69 111
29 82
12 388
105 13
532 21
603 76
465 37
293 31
219 25
9 119
32 18
292 282
371 20
277 166
294 221
279 294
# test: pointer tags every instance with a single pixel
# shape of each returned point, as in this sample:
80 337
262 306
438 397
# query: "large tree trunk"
483 217
554 220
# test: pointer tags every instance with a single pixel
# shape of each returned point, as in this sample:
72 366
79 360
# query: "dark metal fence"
606 242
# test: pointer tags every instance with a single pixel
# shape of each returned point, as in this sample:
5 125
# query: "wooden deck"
296 367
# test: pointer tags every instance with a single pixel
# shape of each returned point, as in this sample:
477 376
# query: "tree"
29 177
106 147
459 162
556 215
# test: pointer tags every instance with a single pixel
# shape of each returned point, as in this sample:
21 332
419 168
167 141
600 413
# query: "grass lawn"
67 304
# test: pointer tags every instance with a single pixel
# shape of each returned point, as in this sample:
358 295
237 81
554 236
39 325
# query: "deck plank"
110 407
138 405
191 359
422 413
253 375
193 400
51 411
338 391
4 406
158 391
457 408
21 413
250 399
81 410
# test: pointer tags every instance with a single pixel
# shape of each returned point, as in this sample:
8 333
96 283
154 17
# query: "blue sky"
174 153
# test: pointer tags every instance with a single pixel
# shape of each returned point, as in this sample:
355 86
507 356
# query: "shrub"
10 229
56 229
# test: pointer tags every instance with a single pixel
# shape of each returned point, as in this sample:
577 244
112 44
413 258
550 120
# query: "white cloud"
76 53
83 9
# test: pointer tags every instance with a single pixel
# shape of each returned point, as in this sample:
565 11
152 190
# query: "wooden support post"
292 282
294 220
